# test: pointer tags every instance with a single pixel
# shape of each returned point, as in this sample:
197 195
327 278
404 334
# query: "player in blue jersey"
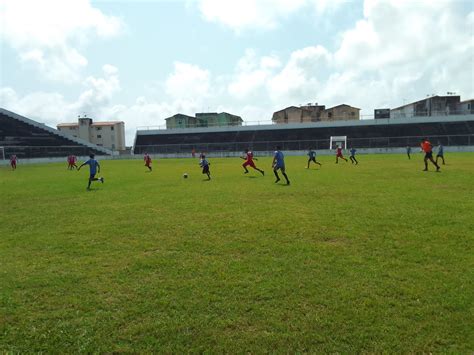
352 157
440 153
94 168
279 164
204 164
312 157
408 152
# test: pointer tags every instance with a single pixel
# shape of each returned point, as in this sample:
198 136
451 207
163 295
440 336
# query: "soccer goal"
338 140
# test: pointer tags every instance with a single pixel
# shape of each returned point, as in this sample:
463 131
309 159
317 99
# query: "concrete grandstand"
455 130
27 138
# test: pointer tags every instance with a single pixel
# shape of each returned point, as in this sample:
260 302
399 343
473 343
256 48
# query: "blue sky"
142 61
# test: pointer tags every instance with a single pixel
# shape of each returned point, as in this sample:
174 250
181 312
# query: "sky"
143 61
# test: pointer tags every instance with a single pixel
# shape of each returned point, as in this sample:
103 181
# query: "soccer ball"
185 175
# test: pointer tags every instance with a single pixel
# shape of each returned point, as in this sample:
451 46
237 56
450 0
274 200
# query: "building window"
100 145
112 128
98 128
353 113
468 106
330 114
99 136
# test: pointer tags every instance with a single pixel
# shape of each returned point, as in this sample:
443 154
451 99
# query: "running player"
13 161
352 157
249 162
440 153
147 160
73 161
312 157
204 164
428 149
408 152
69 165
339 154
94 169
279 163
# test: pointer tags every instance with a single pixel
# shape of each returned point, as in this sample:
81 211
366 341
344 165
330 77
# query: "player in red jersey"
428 149
339 154
13 160
68 162
147 160
73 161
249 162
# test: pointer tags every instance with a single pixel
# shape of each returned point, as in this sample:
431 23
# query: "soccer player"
440 153
193 153
312 157
352 157
249 162
204 164
13 161
339 154
69 167
408 152
94 169
428 149
147 160
279 164
73 161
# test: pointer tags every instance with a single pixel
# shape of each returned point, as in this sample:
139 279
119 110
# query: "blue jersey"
311 154
440 150
353 151
203 163
279 158
93 164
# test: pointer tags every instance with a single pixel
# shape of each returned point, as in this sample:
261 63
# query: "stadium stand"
381 133
29 139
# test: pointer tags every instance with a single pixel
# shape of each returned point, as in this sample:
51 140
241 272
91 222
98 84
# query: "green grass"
370 258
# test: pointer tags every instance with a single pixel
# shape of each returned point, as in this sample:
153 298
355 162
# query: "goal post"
336 141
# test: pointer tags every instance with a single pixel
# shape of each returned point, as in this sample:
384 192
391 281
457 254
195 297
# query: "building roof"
67 125
109 123
426 98
342 105
179 115
466 101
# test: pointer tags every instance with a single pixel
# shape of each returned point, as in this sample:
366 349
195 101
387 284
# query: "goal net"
338 141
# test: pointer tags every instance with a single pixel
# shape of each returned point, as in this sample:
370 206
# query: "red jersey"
426 146
339 151
13 159
147 159
249 156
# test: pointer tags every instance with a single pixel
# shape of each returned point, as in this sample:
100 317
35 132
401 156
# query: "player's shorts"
440 155
92 176
205 169
428 155
312 159
279 166
339 156
148 163
249 163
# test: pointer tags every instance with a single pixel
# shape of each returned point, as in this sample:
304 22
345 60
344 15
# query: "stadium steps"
48 131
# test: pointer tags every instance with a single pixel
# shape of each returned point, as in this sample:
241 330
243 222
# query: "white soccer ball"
185 175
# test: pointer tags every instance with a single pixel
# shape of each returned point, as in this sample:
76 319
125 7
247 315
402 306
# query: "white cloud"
48 34
188 82
240 15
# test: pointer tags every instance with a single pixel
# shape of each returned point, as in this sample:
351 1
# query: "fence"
374 142
47 151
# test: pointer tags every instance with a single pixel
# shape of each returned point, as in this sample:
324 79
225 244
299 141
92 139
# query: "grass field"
371 258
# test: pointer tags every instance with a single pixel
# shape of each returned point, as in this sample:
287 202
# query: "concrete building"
466 107
431 106
110 135
316 113
203 119
341 112
293 114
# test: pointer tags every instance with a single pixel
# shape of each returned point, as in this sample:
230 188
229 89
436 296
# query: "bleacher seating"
29 139
359 136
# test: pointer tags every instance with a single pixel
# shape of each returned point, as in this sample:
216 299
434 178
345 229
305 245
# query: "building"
110 135
431 106
315 113
204 119
293 114
381 113
466 107
341 112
